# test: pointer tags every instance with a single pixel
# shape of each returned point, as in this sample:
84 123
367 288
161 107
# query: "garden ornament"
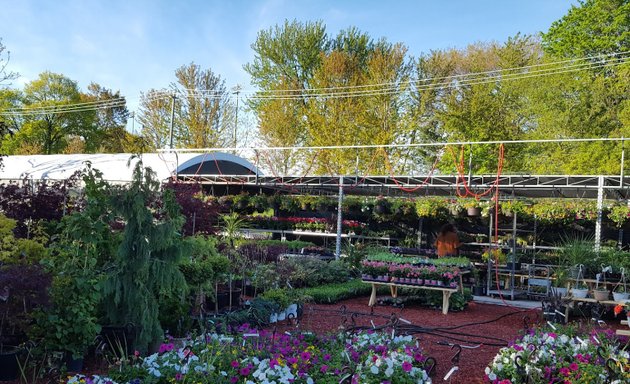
429 365
455 358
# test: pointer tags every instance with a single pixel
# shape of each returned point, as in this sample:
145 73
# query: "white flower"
389 372
374 370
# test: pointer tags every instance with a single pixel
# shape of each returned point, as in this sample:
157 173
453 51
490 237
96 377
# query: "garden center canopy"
118 168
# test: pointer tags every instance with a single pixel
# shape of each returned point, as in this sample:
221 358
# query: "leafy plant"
619 214
278 296
432 207
146 263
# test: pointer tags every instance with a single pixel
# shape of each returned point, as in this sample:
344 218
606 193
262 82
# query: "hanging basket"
473 211
620 290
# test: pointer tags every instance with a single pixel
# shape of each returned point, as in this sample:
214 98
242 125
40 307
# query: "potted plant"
280 299
432 207
579 289
619 214
479 288
601 293
560 279
381 206
513 262
472 207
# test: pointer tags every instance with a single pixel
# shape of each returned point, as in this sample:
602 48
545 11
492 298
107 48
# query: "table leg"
372 296
446 295
394 290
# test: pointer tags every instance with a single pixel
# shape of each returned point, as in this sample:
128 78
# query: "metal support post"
600 206
339 219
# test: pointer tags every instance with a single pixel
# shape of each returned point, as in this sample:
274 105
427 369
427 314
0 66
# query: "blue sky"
135 45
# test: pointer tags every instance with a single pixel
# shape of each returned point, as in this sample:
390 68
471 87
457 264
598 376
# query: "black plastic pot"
514 266
479 290
72 364
9 367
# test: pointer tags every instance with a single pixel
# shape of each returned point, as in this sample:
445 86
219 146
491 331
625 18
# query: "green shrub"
333 293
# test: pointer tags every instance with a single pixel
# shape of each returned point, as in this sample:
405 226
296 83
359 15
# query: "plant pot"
479 290
579 293
620 296
381 209
9 367
273 318
282 315
514 266
292 311
473 211
72 364
600 295
559 291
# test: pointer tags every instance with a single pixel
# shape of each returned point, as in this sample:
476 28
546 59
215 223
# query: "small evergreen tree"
146 263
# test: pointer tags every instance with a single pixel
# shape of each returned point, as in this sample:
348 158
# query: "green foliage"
278 296
8 245
146 263
333 293
619 214
592 28
432 207
311 271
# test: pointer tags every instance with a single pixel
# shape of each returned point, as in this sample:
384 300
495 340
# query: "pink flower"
406 366
234 364
574 367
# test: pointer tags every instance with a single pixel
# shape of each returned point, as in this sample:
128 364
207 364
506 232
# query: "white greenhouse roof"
119 167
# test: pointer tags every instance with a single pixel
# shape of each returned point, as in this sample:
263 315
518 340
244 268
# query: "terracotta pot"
600 295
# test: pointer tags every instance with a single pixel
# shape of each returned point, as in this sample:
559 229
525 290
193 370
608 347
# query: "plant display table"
446 292
623 332
573 300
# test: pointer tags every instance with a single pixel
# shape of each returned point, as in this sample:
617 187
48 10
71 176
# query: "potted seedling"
580 289
601 292
560 282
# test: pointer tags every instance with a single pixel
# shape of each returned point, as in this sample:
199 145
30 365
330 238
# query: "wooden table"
446 292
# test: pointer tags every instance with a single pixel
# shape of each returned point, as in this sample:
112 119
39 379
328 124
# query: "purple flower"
327 357
244 371
178 376
305 355
406 366
233 379
323 369
291 360
234 364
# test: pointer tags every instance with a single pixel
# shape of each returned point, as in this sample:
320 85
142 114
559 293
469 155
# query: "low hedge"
333 293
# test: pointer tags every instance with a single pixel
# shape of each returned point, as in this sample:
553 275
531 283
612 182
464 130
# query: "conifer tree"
146 263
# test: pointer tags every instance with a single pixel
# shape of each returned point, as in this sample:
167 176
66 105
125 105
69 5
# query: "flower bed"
561 357
265 357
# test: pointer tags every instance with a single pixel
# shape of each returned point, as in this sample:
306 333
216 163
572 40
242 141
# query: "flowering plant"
253 356
546 356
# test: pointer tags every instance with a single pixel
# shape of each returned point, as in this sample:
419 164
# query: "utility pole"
172 118
237 91
133 122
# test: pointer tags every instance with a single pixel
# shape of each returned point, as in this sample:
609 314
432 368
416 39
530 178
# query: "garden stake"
526 322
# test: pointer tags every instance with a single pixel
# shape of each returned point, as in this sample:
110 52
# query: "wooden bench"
446 292
623 332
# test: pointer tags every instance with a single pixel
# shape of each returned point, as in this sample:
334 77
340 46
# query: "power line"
453 81
415 145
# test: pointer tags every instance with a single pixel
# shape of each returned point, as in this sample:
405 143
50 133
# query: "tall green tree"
286 58
107 132
593 27
357 64
146 263
204 115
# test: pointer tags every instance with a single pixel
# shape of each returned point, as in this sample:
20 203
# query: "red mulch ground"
326 318
322 319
